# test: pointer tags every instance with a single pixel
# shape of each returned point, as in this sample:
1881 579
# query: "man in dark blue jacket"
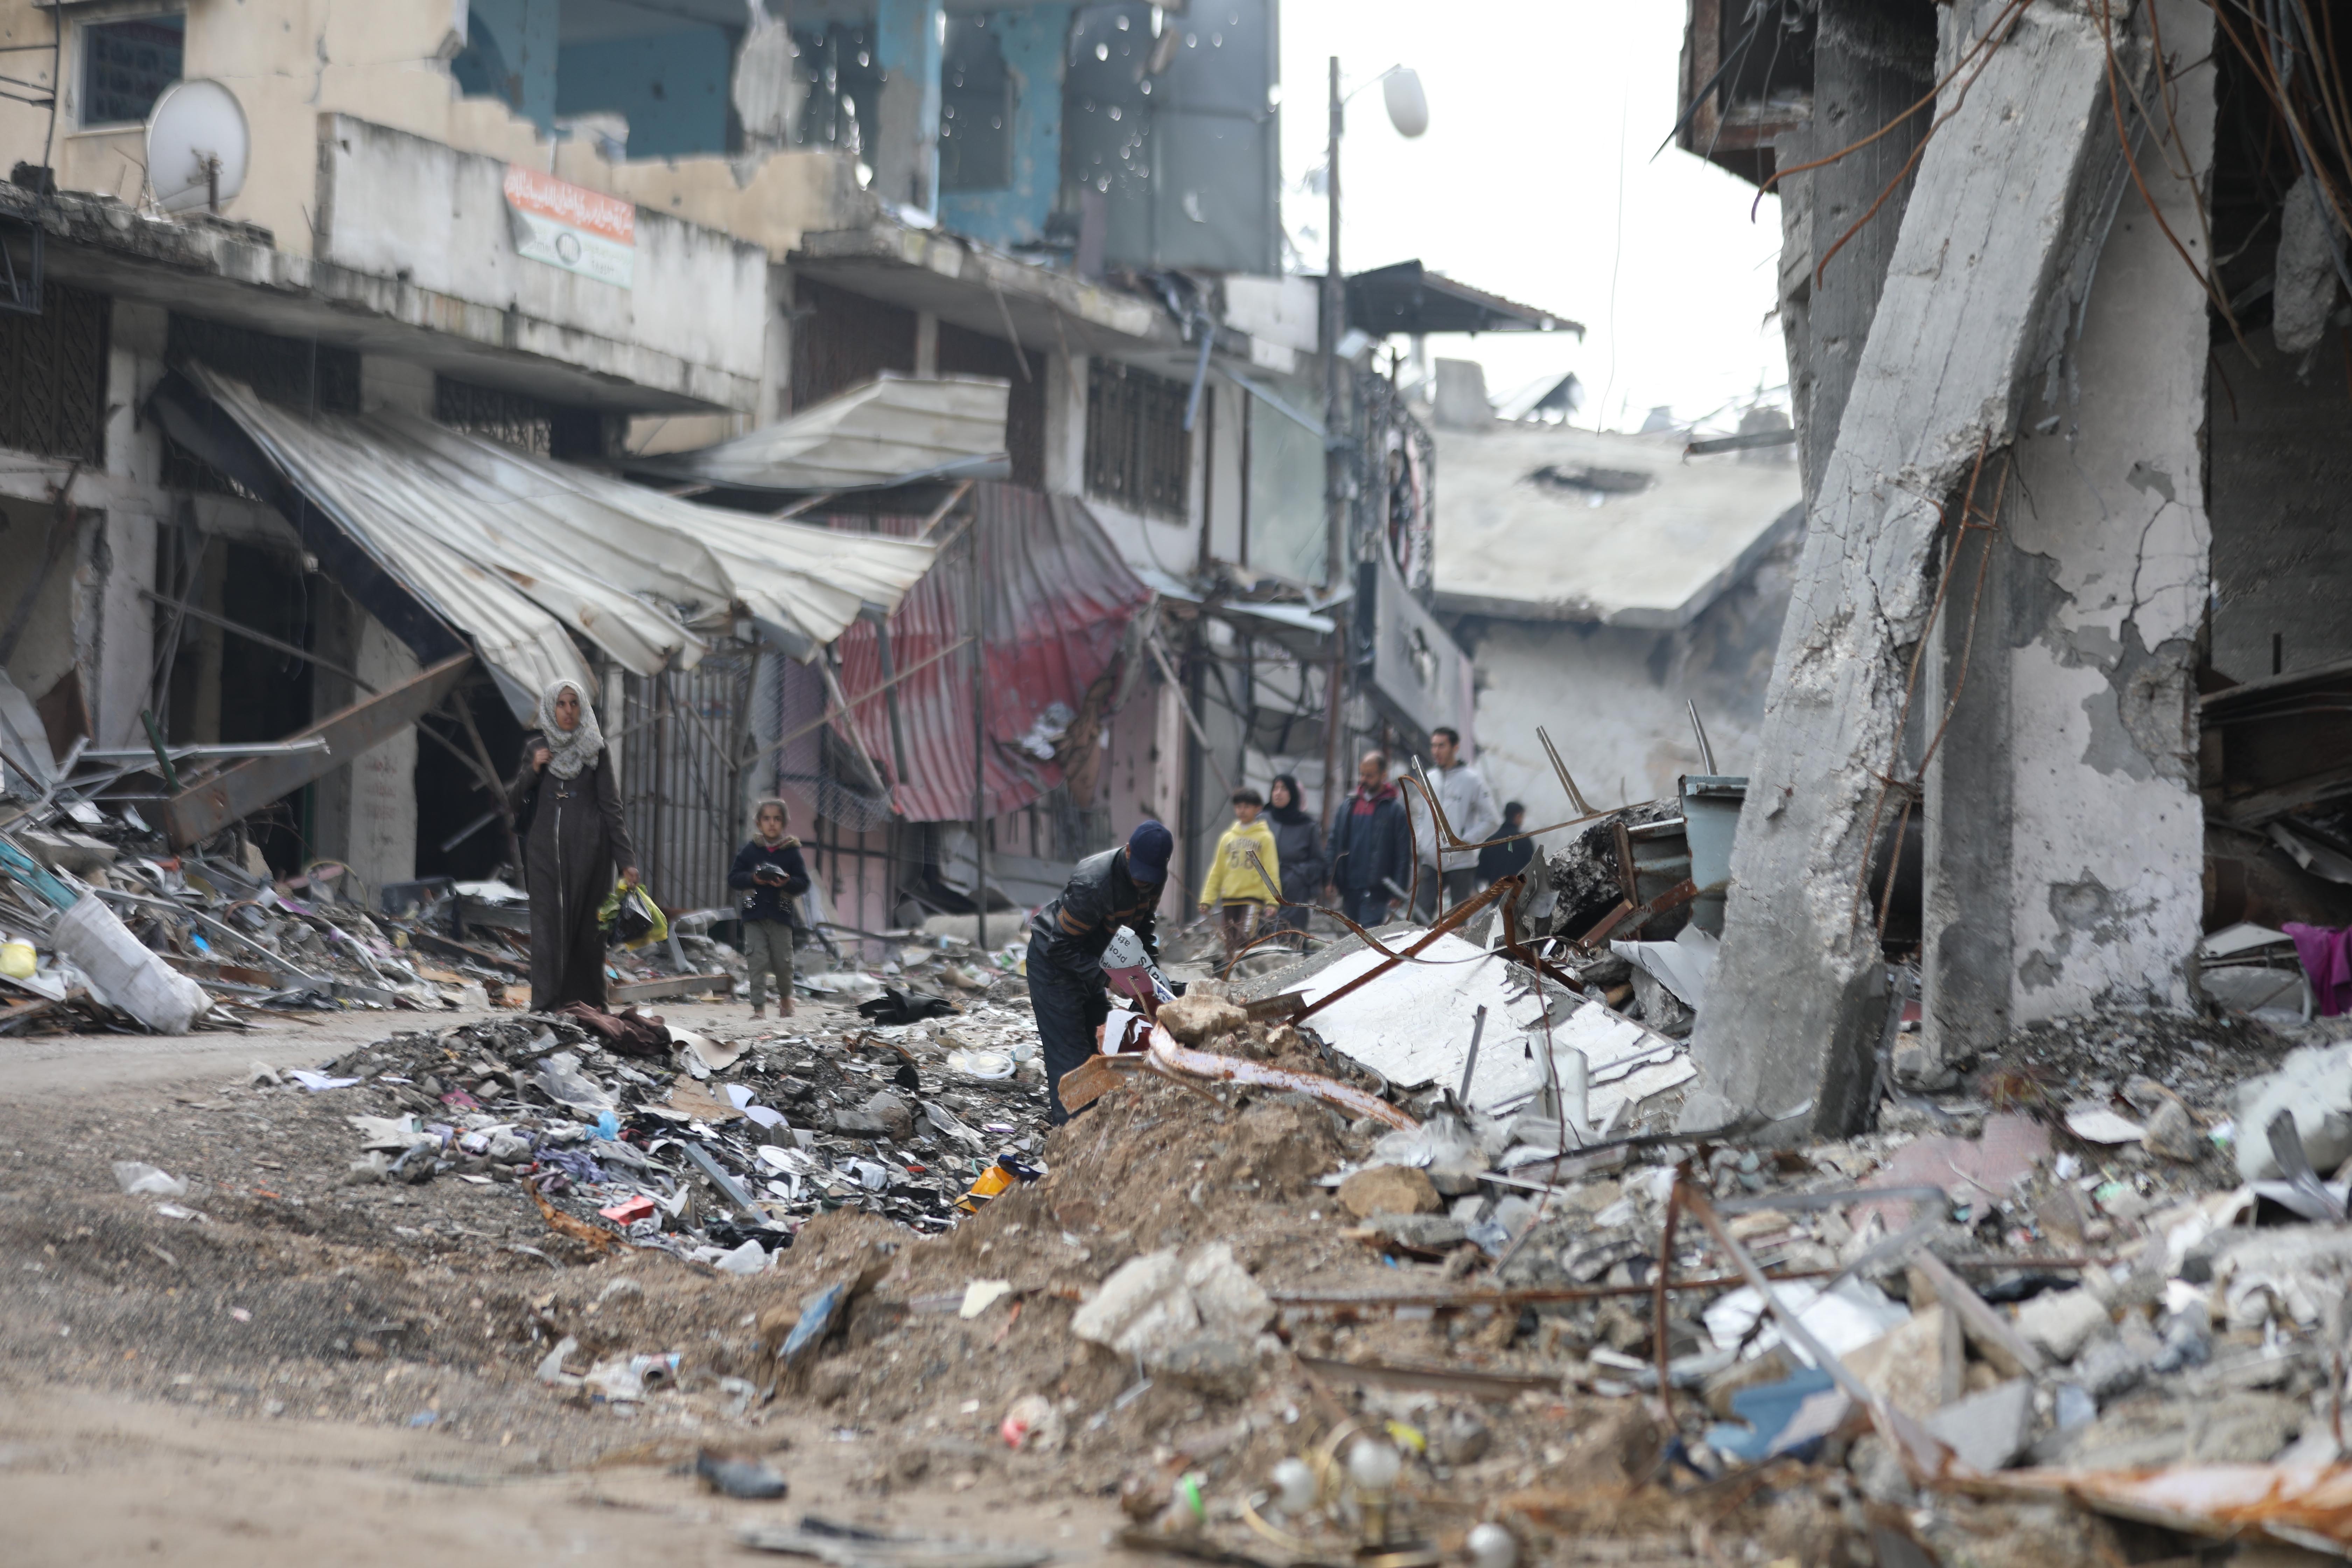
771 875
1371 845
1066 938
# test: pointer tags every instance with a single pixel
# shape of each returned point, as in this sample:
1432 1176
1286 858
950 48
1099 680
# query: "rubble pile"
635 1131
1978 1333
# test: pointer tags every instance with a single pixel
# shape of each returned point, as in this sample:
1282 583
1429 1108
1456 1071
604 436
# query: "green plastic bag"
631 919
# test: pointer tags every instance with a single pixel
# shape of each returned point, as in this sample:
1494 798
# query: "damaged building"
897 405
2061 291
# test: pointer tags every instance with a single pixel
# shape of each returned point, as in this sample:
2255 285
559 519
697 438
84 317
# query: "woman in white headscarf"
567 807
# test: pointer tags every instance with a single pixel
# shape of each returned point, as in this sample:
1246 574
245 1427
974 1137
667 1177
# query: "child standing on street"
1244 874
771 876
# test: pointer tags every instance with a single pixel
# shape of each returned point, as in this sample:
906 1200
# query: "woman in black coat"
566 792
1298 850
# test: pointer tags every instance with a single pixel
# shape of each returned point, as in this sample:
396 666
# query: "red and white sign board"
571 226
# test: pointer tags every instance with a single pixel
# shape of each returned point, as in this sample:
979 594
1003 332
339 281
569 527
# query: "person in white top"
1470 810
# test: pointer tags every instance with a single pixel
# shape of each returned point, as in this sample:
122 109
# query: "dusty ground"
307 1376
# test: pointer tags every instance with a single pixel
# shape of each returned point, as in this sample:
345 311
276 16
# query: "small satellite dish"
197 147
1408 106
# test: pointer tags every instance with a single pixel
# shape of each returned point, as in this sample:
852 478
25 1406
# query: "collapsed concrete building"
2059 285
1607 585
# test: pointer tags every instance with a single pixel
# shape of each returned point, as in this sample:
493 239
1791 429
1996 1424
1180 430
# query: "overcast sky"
1537 107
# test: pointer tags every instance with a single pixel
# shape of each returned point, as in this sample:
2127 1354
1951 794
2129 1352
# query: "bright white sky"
1535 107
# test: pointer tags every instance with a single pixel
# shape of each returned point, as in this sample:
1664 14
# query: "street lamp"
1408 110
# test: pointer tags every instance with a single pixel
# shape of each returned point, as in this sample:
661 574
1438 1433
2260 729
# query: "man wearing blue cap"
1116 887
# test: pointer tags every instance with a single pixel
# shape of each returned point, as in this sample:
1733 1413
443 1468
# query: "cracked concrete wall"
1995 248
2108 523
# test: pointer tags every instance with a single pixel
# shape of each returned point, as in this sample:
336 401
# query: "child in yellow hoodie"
1244 874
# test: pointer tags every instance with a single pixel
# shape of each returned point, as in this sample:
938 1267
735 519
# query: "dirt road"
314 1372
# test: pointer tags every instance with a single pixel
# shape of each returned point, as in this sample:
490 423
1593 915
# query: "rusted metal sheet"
1057 599
198 812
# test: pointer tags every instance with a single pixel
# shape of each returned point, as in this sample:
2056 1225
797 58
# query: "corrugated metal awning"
893 430
1056 597
518 553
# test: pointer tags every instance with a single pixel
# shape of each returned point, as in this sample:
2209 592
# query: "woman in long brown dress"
566 789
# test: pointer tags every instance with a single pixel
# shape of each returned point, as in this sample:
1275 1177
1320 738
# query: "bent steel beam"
201 810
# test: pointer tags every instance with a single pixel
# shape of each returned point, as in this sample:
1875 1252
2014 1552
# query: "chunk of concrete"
1213 1364
1152 1303
1906 1367
1985 1431
2062 1322
2315 1083
1226 1296
1389 1189
1196 1017
1428 1232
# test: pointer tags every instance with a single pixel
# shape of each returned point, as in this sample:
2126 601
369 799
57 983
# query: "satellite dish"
197 147
1408 106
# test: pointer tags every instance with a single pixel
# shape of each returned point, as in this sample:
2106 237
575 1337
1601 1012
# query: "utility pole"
1335 473
979 749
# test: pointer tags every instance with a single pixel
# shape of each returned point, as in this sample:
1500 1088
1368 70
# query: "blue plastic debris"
815 1323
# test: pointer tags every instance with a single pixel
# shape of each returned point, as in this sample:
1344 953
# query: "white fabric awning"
518 552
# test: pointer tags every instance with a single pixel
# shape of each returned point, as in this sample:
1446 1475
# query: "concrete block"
1389 1189
1985 1431
2062 1322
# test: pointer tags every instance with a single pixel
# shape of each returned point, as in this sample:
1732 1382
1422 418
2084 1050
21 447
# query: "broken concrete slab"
1985 1431
2009 187
2061 1323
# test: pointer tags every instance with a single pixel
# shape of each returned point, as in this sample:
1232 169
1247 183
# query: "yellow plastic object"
17 960
992 1180
610 910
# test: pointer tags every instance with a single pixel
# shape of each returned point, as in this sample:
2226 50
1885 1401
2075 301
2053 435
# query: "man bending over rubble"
1066 938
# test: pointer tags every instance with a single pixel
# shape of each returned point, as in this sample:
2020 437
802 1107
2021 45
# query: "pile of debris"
622 1129
1328 1306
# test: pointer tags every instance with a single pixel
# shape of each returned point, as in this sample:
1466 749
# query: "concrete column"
1868 69
2113 549
776 363
364 814
125 657
2020 174
1065 424
905 151
927 344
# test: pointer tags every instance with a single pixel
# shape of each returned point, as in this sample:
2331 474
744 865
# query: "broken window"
294 373
126 66
976 104
1169 115
519 420
841 339
965 352
53 375
1139 453
651 81
845 86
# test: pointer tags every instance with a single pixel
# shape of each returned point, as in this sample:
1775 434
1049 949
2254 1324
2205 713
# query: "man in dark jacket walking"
1066 937
1371 845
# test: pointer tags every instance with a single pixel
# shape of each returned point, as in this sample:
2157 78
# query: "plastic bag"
631 919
